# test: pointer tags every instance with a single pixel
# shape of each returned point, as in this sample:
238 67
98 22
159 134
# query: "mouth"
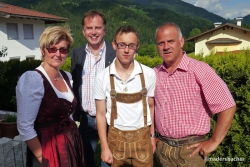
94 37
167 52
58 59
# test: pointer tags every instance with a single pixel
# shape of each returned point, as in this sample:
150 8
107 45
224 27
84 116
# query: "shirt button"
164 117
166 103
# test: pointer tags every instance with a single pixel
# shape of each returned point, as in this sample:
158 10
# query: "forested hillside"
246 19
118 13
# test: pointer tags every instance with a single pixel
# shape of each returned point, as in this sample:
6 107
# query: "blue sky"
224 8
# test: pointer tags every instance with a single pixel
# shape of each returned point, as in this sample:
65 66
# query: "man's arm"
101 122
152 128
223 125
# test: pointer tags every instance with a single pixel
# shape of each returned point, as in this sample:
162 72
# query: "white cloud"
212 5
233 14
224 8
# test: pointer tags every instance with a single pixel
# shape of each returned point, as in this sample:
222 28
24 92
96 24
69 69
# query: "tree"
194 32
148 50
3 51
246 26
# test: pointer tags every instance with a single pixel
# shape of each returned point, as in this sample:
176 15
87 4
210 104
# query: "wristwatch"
153 135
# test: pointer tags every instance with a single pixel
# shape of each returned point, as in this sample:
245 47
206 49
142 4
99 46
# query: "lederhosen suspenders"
127 98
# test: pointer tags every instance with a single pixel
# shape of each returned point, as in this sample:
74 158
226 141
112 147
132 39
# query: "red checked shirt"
186 98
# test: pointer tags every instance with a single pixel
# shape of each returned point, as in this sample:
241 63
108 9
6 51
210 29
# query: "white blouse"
29 95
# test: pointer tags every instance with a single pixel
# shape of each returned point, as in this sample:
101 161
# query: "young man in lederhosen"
124 100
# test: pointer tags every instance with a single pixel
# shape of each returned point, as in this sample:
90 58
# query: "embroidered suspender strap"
119 96
144 95
113 100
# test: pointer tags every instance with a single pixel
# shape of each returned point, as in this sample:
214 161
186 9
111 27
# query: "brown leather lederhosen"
119 140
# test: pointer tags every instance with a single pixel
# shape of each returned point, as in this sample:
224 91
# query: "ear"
42 51
182 42
114 45
104 30
138 47
83 31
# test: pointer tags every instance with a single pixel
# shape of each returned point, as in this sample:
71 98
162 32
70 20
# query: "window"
29 58
12 30
15 58
28 31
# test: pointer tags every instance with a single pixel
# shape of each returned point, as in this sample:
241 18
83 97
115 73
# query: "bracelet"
153 135
39 156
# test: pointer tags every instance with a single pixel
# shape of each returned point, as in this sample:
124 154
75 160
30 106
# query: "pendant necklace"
55 79
125 89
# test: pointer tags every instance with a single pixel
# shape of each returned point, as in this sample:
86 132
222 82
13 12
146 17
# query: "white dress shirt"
130 116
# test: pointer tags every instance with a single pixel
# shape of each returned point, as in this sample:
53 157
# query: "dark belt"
181 141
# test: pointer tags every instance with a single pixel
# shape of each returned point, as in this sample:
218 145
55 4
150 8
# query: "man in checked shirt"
187 93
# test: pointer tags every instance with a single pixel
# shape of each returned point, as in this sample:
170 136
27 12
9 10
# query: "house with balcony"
20 30
223 37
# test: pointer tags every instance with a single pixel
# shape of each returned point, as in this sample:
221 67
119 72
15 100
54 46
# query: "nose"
126 49
58 53
166 46
93 31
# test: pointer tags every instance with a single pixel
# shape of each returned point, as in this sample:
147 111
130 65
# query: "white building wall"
21 47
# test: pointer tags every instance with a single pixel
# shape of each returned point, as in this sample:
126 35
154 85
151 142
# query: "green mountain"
118 12
246 19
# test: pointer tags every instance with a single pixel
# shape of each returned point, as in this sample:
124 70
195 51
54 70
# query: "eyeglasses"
122 45
61 50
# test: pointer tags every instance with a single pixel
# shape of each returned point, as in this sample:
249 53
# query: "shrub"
10 118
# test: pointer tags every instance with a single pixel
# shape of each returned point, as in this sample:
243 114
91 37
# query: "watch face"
153 135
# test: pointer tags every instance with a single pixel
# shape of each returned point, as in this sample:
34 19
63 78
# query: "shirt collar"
101 51
184 62
183 65
137 69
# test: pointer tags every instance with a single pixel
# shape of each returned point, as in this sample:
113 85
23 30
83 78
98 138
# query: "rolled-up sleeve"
29 94
99 93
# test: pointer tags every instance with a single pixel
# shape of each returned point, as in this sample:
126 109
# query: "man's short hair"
170 24
92 14
126 29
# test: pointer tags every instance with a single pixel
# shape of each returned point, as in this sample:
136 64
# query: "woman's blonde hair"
53 35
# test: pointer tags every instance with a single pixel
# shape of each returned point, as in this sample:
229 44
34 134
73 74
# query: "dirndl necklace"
55 79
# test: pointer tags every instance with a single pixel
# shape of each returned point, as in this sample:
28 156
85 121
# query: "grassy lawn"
98 159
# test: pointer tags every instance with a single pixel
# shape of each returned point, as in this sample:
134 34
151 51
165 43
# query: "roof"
7 11
227 25
223 41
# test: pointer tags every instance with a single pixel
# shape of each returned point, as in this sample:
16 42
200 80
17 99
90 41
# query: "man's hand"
204 148
222 126
107 156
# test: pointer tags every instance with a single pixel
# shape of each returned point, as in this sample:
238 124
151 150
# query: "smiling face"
169 44
94 30
56 59
125 53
